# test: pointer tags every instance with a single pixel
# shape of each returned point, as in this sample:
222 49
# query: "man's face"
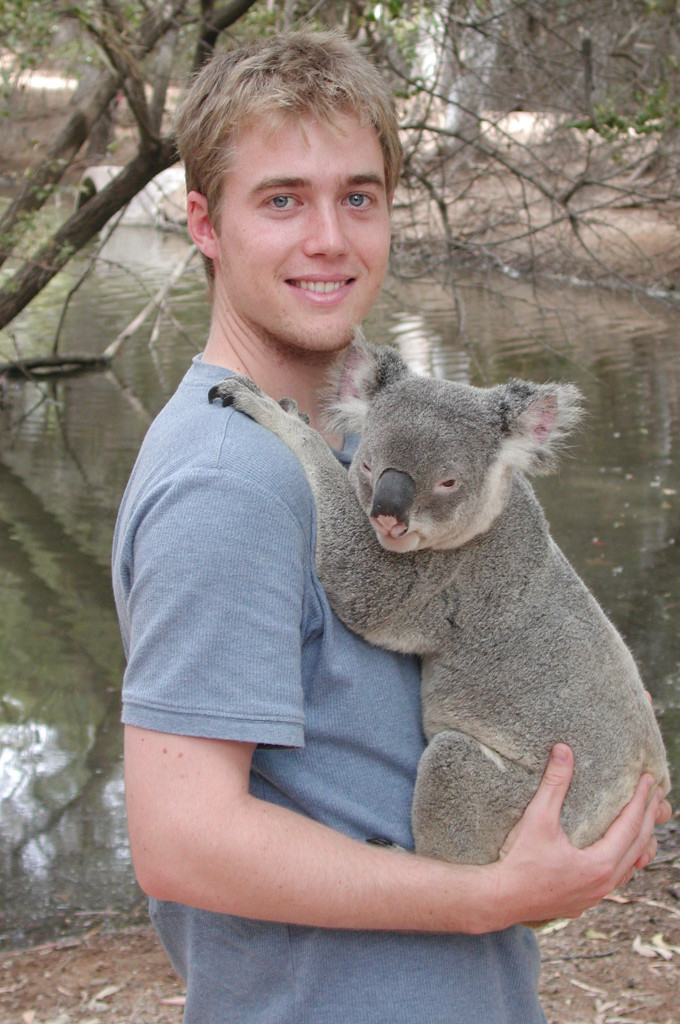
301 236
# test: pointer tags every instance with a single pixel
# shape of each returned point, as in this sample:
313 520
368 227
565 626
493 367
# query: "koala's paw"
290 406
248 398
238 391
283 418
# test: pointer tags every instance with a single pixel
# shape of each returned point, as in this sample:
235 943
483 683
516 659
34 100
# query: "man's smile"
321 287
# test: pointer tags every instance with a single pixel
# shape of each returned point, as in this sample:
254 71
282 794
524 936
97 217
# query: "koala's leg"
467 798
363 583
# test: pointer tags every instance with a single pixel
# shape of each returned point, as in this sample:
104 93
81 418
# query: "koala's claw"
247 397
215 393
227 389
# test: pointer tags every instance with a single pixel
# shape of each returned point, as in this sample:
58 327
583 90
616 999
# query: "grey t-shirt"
228 634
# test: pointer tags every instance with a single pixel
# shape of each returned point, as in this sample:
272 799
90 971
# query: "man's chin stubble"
318 349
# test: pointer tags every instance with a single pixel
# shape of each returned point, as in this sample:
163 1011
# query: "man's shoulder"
192 438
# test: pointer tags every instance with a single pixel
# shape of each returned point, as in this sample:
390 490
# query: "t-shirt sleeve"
214 569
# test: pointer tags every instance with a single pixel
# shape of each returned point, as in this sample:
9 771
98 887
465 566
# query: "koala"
447 554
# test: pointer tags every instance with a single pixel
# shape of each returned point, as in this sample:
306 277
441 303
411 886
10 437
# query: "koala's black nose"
393 495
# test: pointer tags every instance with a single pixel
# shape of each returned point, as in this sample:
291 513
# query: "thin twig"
117 344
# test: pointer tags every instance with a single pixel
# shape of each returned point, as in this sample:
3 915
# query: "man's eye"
281 202
358 200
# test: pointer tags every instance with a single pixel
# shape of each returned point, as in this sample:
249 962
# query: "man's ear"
200 226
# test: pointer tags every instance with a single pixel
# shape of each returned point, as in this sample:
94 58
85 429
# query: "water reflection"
65 453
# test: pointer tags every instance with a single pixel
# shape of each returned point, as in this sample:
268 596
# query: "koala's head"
434 464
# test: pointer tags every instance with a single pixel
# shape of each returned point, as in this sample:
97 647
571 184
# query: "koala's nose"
393 495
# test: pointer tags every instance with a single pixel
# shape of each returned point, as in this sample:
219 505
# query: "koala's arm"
367 587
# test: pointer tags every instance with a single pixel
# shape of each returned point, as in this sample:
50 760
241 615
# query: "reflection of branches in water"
91 758
39 529
92 262
8 406
518 306
145 414
67 447
47 393
46 561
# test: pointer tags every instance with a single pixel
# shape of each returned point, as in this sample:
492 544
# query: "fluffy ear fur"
536 419
366 371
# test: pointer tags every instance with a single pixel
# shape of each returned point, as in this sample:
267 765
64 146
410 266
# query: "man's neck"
281 374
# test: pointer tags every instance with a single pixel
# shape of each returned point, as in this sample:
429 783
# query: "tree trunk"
42 178
45 175
82 226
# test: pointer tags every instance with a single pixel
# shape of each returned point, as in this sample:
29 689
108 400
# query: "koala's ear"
366 371
536 419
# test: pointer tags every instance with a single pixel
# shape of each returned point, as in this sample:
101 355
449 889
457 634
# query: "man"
265 743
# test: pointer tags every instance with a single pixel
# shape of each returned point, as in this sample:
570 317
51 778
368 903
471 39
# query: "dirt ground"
618 964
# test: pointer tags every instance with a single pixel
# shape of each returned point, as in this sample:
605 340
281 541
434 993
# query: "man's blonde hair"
321 74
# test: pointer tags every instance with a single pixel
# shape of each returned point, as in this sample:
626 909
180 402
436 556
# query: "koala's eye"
365 466
449 485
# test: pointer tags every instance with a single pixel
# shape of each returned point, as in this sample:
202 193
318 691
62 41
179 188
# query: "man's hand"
540 869
199 837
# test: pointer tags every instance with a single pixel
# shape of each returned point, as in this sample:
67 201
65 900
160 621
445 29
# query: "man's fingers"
648 856
663 813
546 803
648 842
555 782
629 838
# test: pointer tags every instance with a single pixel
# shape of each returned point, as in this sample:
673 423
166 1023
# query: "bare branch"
164 66
48 172
156 302
214 22
82 226
41 179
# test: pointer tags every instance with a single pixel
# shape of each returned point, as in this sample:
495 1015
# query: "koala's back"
527 658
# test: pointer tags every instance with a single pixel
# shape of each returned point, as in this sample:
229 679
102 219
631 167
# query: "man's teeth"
320 286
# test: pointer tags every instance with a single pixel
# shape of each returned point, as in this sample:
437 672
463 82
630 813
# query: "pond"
65 453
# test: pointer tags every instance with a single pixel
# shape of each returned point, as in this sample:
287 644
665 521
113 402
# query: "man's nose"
325 232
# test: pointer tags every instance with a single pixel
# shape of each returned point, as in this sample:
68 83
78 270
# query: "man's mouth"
321 287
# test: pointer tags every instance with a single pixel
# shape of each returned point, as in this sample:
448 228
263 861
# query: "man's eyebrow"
280 182
284 182
368 179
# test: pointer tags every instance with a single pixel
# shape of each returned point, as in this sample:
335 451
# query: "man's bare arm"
198 837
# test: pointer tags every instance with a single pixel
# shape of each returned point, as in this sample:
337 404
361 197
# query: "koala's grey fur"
516 653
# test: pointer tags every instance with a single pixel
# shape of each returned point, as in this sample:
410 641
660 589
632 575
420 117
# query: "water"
65 453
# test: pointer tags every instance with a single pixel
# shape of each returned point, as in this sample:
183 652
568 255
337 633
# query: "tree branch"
43 176
82 226
110 36
213 22
112 350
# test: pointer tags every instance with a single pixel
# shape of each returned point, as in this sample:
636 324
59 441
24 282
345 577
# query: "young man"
264 742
